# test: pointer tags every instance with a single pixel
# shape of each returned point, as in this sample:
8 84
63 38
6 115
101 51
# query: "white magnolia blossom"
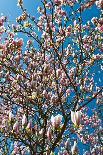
11 116
76 117
49 133
74 148
29 125
56 120
24 120
99 3
16 126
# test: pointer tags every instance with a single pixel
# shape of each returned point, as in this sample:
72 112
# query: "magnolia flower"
11 116
49 133
20 42
100 28
74 148
41 132
24 120
29 125
16 126
44 92
99 3
75 22
58 72
68 31
67 144
76 117
56 120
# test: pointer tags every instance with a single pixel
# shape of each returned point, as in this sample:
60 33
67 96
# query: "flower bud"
58 72
41 132
74 148
16 126
49 133
44 93
24 120
11 116
29 125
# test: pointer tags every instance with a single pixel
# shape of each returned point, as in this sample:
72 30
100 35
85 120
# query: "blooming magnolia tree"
50 87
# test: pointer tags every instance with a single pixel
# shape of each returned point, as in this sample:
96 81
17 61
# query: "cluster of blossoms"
47 84
99 3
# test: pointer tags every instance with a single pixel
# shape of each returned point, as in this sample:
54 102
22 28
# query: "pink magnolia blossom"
100 28
2 20
58 72
49 5
68 30
49 133
15 151
20 42
57 2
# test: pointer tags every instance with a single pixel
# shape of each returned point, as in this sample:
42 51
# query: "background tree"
49 86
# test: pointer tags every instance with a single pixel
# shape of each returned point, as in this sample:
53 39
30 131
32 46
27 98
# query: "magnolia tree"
50 80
